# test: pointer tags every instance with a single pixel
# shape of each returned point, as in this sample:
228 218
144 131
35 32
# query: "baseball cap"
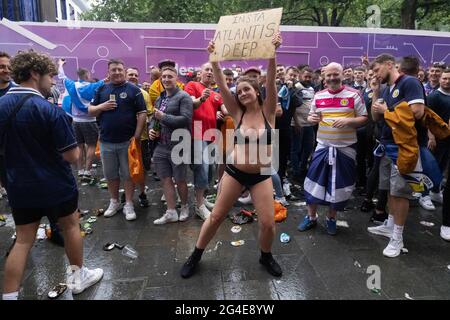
254 69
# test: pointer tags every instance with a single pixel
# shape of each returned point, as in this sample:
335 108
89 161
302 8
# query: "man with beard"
39 144
121 113
399 88
5 84
302 130
439 102
133 77
348 76
339 111
434 75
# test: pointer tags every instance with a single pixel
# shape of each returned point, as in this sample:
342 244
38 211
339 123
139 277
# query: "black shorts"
30 215
246 179
146 157
86 132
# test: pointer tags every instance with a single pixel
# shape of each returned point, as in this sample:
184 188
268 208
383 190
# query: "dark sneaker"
271 266
331 226
378 218
367 206
143 201
307 224
188 268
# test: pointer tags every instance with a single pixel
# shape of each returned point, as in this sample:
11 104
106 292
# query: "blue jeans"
201 167
302 145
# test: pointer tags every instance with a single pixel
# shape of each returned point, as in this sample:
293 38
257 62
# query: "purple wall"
146 44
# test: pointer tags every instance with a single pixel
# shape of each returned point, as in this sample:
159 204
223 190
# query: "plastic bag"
280 213
97 149
135 164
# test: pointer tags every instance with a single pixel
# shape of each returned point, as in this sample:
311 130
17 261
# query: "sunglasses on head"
439 65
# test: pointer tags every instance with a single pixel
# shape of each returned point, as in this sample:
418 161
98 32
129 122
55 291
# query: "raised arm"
228 98
270 103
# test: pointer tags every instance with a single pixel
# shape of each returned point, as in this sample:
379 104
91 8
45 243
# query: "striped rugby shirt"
344 103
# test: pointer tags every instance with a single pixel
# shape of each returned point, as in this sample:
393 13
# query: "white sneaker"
382 230
114 206
287 189
184 213
128 211
437 197
82 279
417 195
169 216
246 200
393 249
80 173
425 202
283 201
203 212
3 192
445 233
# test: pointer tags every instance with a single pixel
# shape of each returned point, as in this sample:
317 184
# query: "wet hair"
410 65
382 58
4 55
170 68
133 68
115 61
83 73
294 69
228 73
27 61
348 67
255 85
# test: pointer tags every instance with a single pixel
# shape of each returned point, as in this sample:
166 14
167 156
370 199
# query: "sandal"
110 246
57 291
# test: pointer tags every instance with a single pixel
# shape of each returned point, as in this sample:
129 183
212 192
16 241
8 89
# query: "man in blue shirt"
121 114
400 88
75 103
39 147
5 84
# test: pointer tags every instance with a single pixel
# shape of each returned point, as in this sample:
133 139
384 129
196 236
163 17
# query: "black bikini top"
240 139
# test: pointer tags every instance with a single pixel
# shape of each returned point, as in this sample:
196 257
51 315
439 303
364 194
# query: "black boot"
271 265
190 265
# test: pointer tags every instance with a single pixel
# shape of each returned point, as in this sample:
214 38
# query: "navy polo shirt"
410 90
37 174
4 91
439 102
119 125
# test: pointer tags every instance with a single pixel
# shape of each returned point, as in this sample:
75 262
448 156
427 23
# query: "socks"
197 254
11 296
266 255
390 222
398 232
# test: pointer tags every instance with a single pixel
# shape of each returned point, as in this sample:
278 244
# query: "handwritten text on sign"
246 36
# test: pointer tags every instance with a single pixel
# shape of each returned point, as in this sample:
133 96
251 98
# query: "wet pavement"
315 265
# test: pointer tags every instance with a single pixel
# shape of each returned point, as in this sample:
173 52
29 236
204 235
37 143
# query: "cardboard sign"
247 36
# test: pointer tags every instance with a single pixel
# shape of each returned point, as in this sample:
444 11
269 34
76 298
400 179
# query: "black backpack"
4 136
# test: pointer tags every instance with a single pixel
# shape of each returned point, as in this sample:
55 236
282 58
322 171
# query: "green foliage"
429 14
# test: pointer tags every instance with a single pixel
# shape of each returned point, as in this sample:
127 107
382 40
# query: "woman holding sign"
246 167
